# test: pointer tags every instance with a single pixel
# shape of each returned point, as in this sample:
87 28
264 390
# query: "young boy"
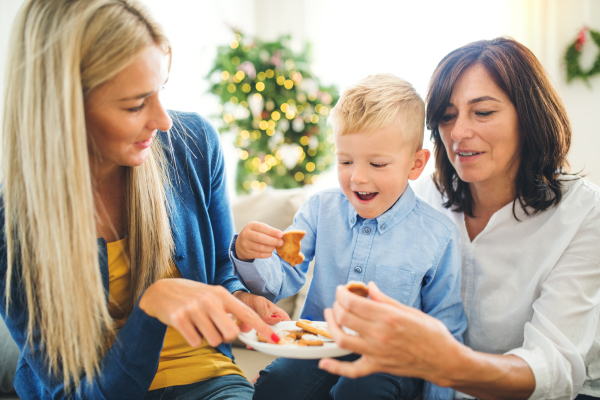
372 229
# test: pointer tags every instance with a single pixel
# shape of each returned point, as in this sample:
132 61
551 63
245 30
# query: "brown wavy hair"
544 128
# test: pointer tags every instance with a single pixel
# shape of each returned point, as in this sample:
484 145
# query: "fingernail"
275 316
275 338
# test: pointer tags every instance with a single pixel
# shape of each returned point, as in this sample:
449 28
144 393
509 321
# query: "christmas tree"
277 108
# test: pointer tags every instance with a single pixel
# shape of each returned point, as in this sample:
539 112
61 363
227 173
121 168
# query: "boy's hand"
257 240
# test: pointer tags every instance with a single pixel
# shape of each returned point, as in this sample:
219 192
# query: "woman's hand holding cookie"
257 240
392 338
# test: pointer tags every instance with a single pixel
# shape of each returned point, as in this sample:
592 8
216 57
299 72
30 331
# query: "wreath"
573 54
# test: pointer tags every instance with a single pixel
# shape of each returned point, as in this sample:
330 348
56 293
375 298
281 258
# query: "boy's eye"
345 162
136 109
378 165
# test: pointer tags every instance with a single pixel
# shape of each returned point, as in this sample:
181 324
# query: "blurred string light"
278 110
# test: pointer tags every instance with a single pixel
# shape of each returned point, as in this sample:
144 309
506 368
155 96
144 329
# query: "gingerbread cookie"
313 328
310 340
358 288
290 249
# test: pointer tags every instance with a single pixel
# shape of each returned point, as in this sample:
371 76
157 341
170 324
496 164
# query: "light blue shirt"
411 252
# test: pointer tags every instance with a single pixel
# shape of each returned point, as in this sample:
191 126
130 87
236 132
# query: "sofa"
273 207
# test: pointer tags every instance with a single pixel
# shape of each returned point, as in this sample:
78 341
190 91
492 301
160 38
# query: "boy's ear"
420 161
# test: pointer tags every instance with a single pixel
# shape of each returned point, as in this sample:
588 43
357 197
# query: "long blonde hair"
60 51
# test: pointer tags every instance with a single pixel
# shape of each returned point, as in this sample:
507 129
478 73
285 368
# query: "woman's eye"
447 117
484 113
136 109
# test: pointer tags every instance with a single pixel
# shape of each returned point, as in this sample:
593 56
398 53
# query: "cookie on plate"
313 328
310 340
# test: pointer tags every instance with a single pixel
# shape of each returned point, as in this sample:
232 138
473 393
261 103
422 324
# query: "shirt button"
352 220
367 231
358 269
383 226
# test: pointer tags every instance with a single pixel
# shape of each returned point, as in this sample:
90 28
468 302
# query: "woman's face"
480 129
123 115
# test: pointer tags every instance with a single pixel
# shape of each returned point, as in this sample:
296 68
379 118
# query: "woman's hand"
393 338
265 309
257 240
198 310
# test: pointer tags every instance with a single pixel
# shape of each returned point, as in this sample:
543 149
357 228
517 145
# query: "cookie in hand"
290 249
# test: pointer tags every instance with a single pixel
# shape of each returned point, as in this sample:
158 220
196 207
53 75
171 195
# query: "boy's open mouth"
366 196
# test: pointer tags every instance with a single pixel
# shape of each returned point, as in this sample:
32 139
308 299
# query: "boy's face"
374 168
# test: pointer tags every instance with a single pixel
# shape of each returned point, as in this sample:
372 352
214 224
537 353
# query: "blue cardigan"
202 226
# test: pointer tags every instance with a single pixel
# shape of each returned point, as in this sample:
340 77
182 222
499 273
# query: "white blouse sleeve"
565 316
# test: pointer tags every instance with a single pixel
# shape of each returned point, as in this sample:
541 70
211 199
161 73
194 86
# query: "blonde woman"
101 204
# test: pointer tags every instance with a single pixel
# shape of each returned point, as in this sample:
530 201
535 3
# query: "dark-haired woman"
530 242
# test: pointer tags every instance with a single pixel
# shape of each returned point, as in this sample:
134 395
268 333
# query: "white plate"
329 348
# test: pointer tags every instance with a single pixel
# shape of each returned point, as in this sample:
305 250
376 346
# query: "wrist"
239 254
454 369
239 294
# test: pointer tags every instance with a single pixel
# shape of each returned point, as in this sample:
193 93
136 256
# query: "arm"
272 277
125 371
403 341
440 298
221 216
550 364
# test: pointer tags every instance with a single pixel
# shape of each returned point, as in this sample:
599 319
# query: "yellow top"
179 364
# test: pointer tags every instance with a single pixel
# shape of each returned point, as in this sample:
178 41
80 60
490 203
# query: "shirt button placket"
361 252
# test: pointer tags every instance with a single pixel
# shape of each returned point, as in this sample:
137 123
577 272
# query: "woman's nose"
461 130
160 118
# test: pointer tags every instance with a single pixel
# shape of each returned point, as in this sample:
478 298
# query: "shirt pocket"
395 282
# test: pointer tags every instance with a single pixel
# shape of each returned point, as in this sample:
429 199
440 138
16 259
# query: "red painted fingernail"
275 338
276 316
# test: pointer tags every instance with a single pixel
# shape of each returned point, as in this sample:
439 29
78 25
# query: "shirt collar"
391 217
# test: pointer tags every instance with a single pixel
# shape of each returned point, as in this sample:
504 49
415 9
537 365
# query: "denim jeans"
303 380
219 388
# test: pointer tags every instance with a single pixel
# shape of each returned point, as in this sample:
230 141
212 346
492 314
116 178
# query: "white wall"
547 27
352 39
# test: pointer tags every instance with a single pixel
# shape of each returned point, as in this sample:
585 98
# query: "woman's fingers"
189 332
225 325
354 369
206 326
344 340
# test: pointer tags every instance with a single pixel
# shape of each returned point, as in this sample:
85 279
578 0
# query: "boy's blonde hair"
377 102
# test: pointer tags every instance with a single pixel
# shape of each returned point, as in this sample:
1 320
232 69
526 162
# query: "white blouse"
532 288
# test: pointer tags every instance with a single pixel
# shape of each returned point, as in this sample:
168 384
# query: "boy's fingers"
267 230
260 247
264 239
